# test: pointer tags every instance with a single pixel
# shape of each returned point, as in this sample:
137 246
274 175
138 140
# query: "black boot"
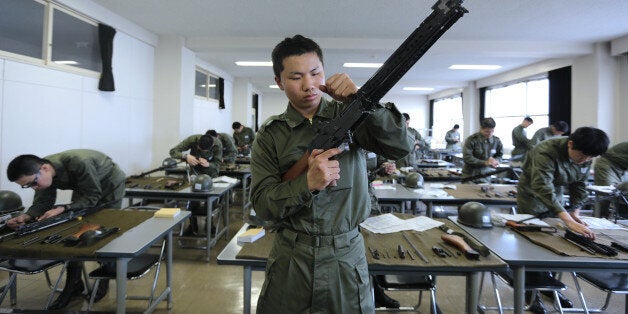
564 302
381 299
73 288
101 290
536 306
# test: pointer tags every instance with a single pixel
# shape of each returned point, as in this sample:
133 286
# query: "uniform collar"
294 118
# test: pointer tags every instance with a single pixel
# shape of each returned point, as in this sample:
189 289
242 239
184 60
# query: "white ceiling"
510 33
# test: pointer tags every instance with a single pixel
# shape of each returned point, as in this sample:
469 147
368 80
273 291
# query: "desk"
472 192
121 250
397 193
229 257
523 255
240 171
216 194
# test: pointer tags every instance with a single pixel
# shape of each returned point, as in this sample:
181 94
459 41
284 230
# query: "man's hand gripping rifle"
338 131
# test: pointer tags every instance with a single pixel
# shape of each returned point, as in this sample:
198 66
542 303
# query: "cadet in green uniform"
610 169
244 137
482 151
317 262
552 165
453 138
520 140
411 159
205 154
556 129
95 180
229 150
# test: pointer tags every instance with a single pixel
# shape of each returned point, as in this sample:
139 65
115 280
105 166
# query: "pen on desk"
415 249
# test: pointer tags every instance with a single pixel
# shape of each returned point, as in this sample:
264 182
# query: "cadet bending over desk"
550 166
95 180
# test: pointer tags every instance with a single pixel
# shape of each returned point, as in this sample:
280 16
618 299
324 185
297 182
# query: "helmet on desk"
202 183
10 202
169 163
414 180
474 214
623 187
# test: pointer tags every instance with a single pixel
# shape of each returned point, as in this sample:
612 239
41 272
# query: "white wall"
46 111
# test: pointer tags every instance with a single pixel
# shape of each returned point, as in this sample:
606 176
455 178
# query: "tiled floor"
201 287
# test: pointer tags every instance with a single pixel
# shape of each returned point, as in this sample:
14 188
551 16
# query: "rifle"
338 130
163 167
8 214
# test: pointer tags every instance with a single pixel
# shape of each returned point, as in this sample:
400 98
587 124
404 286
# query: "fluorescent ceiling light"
361 65
474 67
254 63
274 86
424 89
66 62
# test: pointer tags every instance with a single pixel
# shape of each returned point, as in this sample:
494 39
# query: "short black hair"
205 142
211 133
406 116
236 125
295 46
590 141
456 126
561 126
24 165
528 119
487 123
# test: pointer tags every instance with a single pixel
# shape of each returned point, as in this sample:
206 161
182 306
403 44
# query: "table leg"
473 291
169 267
519 288
247 290
429 209
121 270
225 214
209 225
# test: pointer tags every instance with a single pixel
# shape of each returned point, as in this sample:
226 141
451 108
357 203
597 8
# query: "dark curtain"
482 102
255 100
105 39
221 93
431 123
560 95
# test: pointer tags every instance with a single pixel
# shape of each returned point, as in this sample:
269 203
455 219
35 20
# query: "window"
72 43
447 112
22 27
508 105
206 85
75 42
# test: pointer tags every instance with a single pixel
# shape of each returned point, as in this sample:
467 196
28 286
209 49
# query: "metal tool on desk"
589 244
415 249
523 227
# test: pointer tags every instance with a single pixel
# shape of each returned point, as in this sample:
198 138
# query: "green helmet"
414 180
475 214
10 202
169 163
202 183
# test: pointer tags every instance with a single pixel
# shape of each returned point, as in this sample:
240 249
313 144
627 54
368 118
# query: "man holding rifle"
94 179
317 262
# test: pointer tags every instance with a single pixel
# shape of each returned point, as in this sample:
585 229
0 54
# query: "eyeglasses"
34 182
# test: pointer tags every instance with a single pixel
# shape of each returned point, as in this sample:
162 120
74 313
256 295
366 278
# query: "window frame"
438 140
208 76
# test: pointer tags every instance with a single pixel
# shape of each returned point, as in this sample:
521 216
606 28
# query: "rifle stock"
445 13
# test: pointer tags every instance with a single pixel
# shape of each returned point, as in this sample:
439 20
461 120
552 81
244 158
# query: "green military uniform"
541 135
453 139
245 137
213 156
317 263
229 150
410 159
546 170
611 166
609 169
477 149
521 142
92 176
